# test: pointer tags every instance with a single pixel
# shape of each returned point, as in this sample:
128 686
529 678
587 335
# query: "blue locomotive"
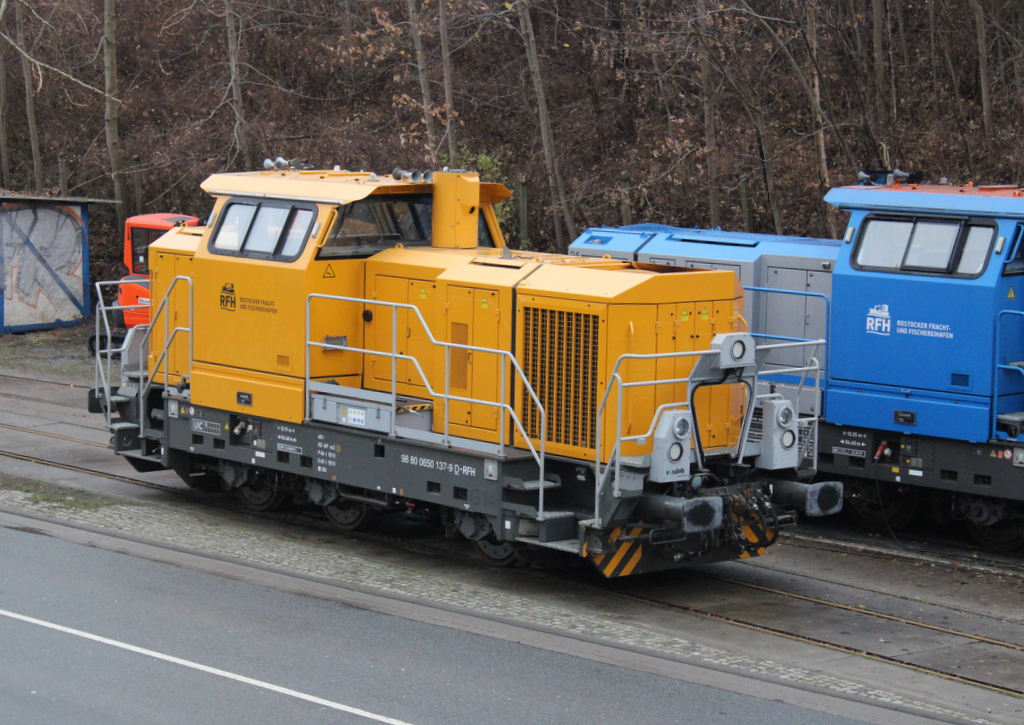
922 305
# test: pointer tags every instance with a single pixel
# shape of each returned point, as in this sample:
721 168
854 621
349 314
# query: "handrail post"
394 353
447 393
501 412
618 446
994 414
306 412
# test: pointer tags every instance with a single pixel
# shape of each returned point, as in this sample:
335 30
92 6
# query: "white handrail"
146 381
616 381
503 405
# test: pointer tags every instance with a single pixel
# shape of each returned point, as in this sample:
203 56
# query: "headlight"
788 439
675 451
785 416
739 349
681 428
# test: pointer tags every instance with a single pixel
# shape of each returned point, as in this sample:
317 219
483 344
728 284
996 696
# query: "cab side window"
263 229
1015 255
370 225
925 246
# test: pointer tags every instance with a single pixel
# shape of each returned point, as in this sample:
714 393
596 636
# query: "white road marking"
204 668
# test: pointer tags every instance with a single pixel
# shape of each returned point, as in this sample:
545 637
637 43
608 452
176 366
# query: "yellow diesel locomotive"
368 343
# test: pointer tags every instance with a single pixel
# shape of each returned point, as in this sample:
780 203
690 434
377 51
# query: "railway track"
23 380
749 621
32 399
946 673
95 472
58 383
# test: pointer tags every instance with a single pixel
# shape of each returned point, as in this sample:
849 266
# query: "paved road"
315 660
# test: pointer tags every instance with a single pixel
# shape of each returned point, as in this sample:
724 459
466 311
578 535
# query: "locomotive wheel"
349 515
1002 536
261 496
894 510
497 553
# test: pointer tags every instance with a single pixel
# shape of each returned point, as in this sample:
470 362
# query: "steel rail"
846 649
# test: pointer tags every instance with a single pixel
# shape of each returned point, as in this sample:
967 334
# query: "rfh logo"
879 322
227 297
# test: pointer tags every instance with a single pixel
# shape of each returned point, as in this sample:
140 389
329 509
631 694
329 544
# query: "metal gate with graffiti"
44 262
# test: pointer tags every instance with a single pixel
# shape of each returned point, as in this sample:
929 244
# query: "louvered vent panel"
561 352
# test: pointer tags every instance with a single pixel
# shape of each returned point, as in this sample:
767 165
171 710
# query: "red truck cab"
139 232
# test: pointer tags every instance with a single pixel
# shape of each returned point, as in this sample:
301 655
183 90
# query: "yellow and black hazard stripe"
417 407
754 537
625 560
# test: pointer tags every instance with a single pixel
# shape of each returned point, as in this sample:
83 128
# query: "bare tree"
446 63
424 76
878 48
555 182
819 131
710 147
111 108
234 30
983 71
30 99
5 158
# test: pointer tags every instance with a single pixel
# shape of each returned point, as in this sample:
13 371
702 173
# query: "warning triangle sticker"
1011 295
329 272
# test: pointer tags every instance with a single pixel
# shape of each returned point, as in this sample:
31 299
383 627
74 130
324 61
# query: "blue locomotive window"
263 229
1015 254
972 260
931 246
884 243
925 246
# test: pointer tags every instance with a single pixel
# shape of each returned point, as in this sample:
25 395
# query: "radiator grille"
560 360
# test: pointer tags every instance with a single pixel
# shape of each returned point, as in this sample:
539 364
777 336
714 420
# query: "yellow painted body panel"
406 276
248 392
250 316
456 203
337 187
165 266
622 301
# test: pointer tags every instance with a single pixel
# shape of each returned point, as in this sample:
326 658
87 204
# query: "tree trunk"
934 64
878 50
421 66
234 30
446 62
5 159
346 18
819 134
550 157
111 110
983 71
764 146
30 100
710 146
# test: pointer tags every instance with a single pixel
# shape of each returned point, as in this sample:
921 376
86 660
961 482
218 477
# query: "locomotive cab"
925 388
917 272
